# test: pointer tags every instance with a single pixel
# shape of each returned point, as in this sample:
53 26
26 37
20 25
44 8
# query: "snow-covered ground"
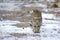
18 6
50 30
11 7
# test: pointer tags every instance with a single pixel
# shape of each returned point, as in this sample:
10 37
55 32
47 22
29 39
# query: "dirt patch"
18 34
19 25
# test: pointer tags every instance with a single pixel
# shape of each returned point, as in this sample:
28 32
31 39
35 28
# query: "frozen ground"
50 30
11 7
18 6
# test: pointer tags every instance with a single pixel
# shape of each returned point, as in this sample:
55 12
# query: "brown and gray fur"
36 21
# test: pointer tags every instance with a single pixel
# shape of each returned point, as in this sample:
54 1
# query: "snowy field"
16 6
50 30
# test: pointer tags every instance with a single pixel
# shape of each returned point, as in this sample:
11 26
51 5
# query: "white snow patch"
36 5
10 6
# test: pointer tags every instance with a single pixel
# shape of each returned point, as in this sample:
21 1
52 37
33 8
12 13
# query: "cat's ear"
35 10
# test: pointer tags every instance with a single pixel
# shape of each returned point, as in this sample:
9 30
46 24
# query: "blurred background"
15 19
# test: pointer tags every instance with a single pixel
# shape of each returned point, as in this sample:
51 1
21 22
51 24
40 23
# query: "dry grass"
22 25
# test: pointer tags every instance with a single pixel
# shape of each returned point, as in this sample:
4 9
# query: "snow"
11 7
36 5
17 6
51 10
47 31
